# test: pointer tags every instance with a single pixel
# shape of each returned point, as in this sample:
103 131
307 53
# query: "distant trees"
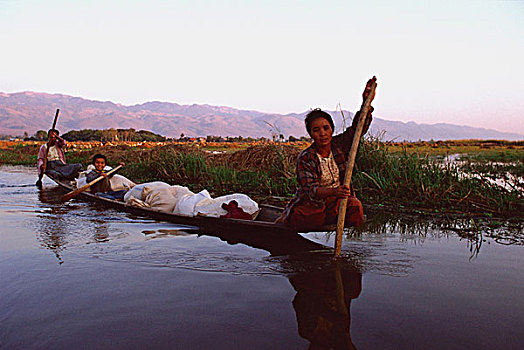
41 135
211 138
112 135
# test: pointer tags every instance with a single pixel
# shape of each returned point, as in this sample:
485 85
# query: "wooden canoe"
262 232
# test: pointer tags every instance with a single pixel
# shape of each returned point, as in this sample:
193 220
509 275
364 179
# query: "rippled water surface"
76 275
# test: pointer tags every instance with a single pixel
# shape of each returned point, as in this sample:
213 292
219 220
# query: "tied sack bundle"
187 203
202 204
221 206
164 199
156 195
136 193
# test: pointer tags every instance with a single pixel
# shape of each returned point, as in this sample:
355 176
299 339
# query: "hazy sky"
459 62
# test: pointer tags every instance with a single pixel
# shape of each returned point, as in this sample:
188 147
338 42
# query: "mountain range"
31 111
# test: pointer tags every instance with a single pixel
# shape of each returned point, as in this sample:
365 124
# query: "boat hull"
261 233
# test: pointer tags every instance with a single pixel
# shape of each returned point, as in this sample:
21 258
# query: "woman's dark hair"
98 156
315 114
51 130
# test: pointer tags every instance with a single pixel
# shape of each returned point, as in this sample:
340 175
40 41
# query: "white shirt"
52 154
329 176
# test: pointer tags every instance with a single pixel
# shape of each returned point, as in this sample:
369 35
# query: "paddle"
76 192
41 175
351 162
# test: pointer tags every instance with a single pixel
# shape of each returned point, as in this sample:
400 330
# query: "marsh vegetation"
480 179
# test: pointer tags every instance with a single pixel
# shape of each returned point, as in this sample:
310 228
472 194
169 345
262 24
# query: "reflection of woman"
320 172
51 229
322 305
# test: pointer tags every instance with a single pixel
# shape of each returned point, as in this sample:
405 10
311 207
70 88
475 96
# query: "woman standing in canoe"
320 172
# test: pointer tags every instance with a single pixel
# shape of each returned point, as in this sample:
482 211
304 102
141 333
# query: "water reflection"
473 229
59 226
323 302
321 290
324 287
51 226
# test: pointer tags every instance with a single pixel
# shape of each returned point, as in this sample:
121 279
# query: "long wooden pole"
56 118
350 164
76 192
41 175
342 308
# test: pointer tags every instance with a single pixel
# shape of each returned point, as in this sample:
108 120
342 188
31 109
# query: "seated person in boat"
320 172
56 162
103 187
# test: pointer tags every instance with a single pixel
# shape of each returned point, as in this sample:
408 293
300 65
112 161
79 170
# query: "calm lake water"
78 276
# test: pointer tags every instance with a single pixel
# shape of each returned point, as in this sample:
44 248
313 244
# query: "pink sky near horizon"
436 62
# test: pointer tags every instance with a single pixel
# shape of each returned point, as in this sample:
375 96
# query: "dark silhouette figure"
322 305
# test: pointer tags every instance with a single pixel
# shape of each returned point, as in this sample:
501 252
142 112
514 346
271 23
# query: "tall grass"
19 154
409 179
381 177
194 170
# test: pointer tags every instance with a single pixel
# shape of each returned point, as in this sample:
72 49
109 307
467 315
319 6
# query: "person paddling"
103 187
320 173
56 162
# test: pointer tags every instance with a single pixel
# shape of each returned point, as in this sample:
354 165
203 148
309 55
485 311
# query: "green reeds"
19 154
398 179
409 179
194 170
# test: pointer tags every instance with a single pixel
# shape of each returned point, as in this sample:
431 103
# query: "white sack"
164 198
120 182
214 207
180 191
137 190
137 203
81 181
186 204
159 198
